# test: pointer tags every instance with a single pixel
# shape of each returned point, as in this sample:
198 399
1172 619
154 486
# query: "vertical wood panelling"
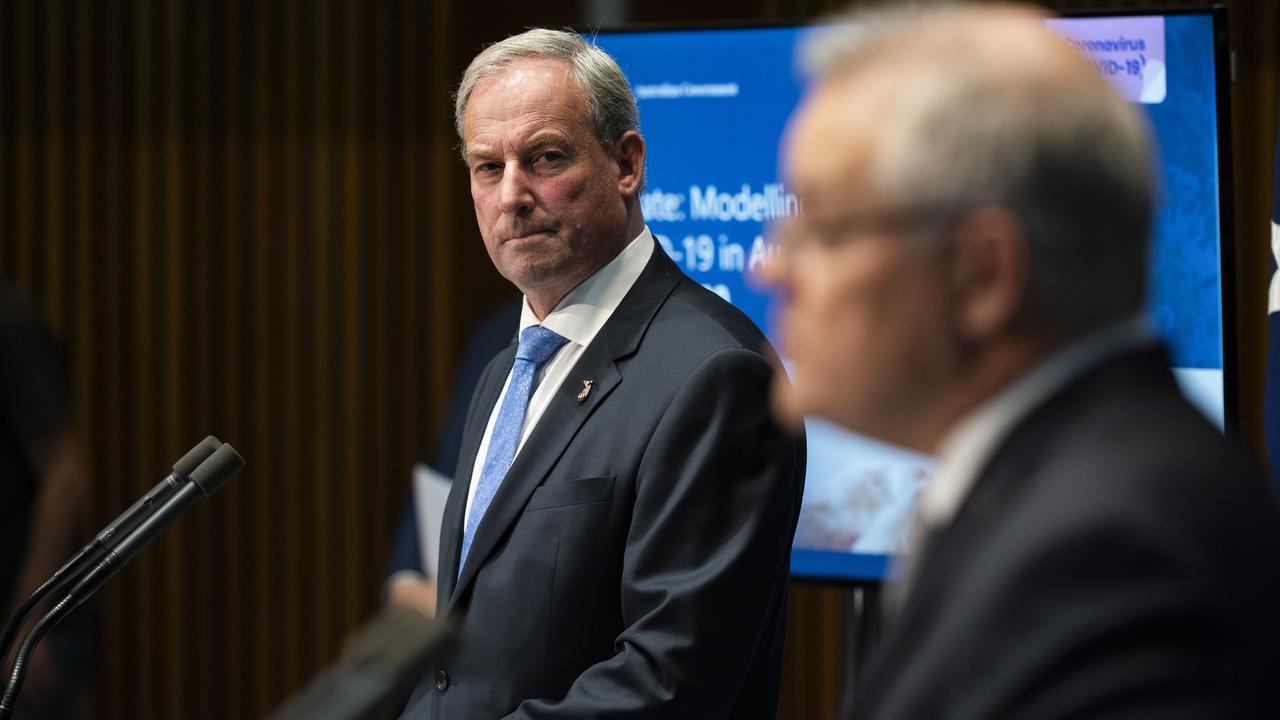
197 109
106 430
176 135
7 86
23 106
144 595
410 177
375 478
52 120
238 662
84 278
247 218
356 551
259 309
444 165
321 80
278 640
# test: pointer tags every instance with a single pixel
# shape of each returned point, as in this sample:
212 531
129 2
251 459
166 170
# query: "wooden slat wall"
227 209
247 219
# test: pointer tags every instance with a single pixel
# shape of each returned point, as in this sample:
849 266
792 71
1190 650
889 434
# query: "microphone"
123 525
110 536
205 479
388 654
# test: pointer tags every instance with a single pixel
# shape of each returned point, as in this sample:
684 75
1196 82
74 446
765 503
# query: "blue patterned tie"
537 345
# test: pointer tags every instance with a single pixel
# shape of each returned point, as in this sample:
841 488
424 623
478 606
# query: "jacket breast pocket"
572 492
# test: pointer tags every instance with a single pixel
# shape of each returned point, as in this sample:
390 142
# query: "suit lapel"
564 416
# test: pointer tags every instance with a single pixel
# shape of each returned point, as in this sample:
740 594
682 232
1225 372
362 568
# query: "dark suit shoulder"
701 320
1125 433
1115 525
1121 448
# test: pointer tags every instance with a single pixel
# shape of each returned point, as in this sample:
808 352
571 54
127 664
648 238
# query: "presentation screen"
713 106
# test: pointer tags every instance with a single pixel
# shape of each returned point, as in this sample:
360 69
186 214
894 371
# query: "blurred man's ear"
990 271
628 152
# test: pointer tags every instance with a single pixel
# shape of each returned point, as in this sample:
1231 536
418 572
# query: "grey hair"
1063 152
609 98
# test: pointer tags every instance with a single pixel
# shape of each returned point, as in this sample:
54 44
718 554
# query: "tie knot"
538 344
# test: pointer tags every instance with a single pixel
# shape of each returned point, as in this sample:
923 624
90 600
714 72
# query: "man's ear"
628 153
990 272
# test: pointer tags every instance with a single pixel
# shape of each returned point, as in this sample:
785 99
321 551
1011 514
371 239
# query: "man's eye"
485 168
548 157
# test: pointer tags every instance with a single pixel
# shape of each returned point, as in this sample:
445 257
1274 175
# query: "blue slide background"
727 142
721 142
1185 272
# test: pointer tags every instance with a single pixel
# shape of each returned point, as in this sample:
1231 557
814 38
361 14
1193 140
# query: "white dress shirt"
577 318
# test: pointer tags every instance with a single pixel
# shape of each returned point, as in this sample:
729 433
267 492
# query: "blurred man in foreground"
967 280
617 540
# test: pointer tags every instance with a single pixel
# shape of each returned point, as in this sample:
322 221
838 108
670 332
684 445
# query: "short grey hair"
1067 155
609 98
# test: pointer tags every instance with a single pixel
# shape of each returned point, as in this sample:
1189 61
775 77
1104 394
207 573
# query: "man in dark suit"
968 280
617 541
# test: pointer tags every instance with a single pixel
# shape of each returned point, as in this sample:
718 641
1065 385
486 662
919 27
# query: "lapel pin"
586 390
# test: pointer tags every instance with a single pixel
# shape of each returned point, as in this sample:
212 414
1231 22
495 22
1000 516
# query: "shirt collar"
583 311
966 449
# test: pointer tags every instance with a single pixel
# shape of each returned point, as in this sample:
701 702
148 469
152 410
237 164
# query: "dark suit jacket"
1117 558
634 562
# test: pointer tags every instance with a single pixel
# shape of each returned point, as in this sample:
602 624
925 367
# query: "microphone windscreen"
217 469
196 455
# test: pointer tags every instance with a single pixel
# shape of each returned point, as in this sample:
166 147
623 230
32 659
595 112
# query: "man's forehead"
526 96
833 136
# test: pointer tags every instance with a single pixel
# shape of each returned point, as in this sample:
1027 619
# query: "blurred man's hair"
972 124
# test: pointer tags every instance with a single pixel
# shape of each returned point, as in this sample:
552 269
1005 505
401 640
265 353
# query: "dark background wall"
247 219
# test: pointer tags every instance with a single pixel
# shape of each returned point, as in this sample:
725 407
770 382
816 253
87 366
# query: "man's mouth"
528 235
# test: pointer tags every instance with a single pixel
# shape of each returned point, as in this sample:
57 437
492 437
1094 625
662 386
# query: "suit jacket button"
442 680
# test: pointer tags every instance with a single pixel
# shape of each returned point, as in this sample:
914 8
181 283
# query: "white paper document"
430 491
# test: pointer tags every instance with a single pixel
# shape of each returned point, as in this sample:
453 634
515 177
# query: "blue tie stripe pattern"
537 345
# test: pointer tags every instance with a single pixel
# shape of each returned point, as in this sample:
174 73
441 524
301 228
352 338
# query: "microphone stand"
88 556
16 676
115 552
109 538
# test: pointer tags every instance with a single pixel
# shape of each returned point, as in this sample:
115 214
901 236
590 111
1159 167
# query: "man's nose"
516 193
